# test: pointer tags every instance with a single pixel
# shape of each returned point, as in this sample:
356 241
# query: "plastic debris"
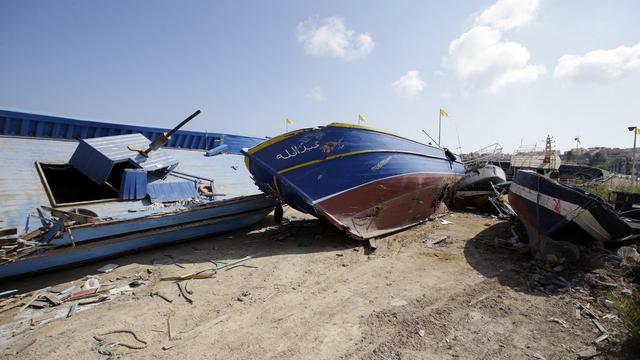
629 255
108 268
91 283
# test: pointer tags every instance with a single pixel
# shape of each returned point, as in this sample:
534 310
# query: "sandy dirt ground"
310 293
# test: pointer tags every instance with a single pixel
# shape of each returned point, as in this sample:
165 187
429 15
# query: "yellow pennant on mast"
443 112
361 119
287 123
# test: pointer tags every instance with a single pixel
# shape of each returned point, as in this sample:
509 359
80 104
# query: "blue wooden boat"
76 201
364 181
562 212
246 211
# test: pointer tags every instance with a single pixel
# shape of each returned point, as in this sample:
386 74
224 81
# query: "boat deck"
22 190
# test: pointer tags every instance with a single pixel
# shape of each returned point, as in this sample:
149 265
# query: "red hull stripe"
386 205
373 181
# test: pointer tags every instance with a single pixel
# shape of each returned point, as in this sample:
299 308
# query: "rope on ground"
100 338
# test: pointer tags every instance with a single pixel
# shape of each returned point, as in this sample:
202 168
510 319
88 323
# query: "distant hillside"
611 159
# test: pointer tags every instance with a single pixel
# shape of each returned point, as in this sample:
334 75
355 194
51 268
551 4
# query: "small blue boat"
69 201
562 212
364 181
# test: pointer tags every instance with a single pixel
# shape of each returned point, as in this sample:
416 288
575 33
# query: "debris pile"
14 247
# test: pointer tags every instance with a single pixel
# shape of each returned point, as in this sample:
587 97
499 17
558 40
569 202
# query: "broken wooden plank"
8 240
12 306
78 218
54 300
32 235
39 304
601 338
162 296
201 275
83 294
99 299
559 321
599 326
33 298
8 231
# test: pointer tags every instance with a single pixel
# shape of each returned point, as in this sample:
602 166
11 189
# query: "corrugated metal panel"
21 190
96 157
14 123
133 185
172 191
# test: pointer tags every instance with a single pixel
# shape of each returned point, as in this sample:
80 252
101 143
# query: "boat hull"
482 178
561 212
248 211
365 182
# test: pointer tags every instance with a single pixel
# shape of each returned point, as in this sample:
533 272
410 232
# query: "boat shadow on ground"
509 267
263 239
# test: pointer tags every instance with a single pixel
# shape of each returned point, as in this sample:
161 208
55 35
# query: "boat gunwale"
359 152
293 133
199 207
70 248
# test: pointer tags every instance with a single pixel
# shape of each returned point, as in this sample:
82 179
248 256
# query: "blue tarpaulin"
172 191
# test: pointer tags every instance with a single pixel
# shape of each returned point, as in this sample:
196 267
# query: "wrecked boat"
365 181
562 212
75 201
477 186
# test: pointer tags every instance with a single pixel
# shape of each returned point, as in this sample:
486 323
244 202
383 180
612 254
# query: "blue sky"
507 71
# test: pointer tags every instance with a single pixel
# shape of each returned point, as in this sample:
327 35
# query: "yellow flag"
637 131
443 113
289 121
361 118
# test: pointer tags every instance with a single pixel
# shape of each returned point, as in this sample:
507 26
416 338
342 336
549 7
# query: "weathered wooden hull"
561 212
482 178
365 182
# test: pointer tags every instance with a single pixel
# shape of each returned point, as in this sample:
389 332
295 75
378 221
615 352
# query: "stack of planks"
13 247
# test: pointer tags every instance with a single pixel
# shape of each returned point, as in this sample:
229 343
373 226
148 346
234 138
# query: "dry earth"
312 294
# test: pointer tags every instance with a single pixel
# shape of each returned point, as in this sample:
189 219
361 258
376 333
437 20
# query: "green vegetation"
629 312
604 189
599 189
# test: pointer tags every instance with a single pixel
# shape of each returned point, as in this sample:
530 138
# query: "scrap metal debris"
108 268
559 321
433 241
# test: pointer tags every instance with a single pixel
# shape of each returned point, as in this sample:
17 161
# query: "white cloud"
483 60
410 84
508 14
599 65
330 37
316 94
